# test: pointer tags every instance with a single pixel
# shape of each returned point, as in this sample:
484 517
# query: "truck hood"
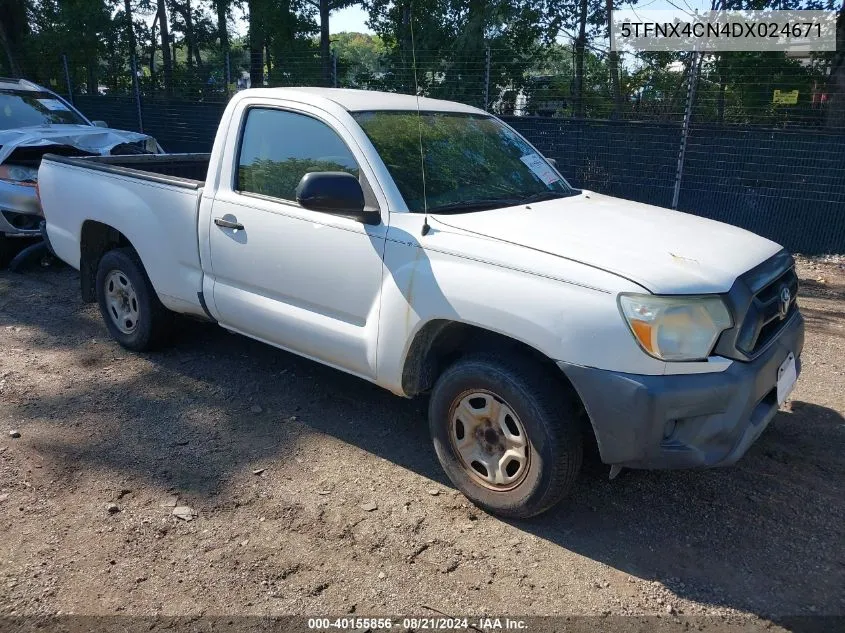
665 251
85 138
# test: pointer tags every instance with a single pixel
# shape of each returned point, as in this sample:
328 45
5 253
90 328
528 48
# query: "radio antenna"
425 227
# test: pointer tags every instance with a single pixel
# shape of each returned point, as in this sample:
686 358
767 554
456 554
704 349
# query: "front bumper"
20 212
687 420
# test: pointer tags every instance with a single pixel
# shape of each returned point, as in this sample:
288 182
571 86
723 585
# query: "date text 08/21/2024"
418 623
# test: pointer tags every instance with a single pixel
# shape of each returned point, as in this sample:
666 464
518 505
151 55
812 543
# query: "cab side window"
279 147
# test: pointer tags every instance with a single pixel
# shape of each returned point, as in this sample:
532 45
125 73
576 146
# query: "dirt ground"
317 493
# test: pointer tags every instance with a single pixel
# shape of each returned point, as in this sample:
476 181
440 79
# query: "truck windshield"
472 162
26 108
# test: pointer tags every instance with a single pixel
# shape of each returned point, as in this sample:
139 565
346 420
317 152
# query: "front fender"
563 320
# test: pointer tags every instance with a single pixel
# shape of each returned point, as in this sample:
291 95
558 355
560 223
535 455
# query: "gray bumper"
717 416
18 208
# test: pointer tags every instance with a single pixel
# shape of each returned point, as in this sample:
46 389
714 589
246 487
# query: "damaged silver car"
35 121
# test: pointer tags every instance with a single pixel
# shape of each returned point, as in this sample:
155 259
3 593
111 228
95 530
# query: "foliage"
508 56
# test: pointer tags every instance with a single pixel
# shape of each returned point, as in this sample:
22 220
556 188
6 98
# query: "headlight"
19 174
675 328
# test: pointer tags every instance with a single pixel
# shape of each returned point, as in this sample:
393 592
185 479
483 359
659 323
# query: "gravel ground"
312 492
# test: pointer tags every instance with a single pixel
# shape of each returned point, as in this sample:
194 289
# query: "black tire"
547 414
153 323
6 253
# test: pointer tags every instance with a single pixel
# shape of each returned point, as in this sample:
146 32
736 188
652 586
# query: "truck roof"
363 100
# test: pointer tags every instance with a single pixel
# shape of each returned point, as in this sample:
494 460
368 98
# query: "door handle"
228 224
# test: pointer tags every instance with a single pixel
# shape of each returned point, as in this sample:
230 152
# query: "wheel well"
440 343
97 239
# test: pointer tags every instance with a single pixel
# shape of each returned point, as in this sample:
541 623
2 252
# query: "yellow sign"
785 98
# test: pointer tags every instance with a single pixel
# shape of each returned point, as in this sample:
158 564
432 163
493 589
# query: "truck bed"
151 200
182 170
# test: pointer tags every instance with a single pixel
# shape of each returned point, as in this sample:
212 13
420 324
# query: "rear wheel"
506 434
128 302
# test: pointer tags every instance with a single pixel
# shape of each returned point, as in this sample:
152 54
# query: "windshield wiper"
474 205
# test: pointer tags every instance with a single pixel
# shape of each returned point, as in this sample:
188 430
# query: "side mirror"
335 192
99 124
552 162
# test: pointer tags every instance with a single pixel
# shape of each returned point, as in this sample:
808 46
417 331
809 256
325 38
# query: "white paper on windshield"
541 168
53 105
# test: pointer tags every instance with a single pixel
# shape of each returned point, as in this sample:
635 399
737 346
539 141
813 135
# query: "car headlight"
19 174
675 328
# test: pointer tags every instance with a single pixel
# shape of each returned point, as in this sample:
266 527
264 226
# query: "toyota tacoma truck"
427 247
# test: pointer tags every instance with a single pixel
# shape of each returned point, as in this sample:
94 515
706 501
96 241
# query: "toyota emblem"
785 300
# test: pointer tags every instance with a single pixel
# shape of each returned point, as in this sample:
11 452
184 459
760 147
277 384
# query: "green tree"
14 28
324 9
447 42
361 59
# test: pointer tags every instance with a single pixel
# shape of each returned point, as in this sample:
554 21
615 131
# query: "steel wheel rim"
121 301
489 439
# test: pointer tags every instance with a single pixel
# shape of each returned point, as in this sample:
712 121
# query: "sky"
350 19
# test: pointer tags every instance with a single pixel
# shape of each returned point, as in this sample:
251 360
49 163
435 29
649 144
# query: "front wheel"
506 434
128 302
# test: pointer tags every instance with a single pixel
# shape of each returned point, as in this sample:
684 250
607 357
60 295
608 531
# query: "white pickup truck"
427 247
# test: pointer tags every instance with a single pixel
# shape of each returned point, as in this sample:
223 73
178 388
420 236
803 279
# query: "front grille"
768 313
759 313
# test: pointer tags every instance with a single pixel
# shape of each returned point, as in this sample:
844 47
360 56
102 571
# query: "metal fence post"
693 80
67 79
334 68
137 90
487 79
228 72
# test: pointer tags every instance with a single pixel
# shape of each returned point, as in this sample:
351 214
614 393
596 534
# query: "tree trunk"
613 64
14 27
167 60
836 83
133 48
153 47
14 69
468 85
222 25
580 45
256 45
325 43
189 33
130 26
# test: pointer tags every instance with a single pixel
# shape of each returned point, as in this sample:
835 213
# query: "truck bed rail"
181 170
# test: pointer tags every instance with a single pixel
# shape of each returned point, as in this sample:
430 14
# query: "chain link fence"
751 139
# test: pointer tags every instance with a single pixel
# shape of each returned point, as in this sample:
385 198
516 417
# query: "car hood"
86 138
665 251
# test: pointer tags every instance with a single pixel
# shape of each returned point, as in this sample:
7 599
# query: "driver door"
300 279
